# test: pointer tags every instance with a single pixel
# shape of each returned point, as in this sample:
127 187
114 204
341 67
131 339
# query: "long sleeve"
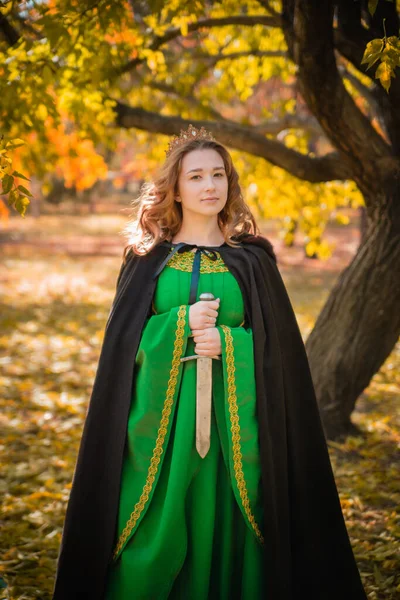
158 371
241 421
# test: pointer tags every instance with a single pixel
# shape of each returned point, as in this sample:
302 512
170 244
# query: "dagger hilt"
203 296
206 296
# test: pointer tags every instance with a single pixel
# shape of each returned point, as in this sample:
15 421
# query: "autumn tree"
303 91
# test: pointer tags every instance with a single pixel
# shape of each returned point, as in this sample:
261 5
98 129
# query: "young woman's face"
203 183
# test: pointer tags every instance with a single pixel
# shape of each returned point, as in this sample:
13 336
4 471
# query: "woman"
182 490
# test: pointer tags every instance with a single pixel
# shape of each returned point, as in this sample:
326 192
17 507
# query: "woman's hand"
208 342
203 314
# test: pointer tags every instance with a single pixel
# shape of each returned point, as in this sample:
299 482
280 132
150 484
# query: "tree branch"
352 49
289 121
174 32
213 59
378 105
344 124
351 39
325 168
267 5
9 32
363 90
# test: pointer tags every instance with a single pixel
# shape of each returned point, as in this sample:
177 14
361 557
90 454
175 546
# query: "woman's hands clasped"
202 318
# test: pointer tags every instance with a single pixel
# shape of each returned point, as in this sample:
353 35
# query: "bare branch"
174 32
267 5
325 168
215 58
290 121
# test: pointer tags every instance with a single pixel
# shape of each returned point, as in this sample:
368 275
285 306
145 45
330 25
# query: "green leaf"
17 174
372 4
372 52
23 189
47 75
21 204
12 198
8 181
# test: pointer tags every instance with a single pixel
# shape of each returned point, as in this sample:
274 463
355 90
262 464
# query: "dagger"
203 394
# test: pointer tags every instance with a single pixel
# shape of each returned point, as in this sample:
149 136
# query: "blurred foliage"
70 63
53 312
16 193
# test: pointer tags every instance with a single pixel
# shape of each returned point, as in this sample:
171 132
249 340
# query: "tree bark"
363 225
359 324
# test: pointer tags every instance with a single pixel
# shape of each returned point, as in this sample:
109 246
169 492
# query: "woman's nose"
210 184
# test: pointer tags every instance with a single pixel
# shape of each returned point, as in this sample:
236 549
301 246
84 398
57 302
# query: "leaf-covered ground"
55 299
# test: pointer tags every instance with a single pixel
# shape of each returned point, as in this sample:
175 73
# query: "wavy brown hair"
158 216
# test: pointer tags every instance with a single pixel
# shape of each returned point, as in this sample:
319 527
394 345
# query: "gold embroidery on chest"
184 262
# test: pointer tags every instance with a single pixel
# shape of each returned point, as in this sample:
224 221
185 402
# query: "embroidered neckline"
184 262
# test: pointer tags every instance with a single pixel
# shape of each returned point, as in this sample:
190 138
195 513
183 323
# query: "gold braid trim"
184 262
162 431
235 429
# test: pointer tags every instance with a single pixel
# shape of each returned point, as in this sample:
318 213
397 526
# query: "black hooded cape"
308 551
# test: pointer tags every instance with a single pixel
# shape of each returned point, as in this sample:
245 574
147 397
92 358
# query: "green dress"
190 527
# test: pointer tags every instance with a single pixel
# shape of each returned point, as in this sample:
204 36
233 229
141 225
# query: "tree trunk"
363 223
360 323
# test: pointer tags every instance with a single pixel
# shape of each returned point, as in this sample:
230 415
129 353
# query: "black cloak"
308 551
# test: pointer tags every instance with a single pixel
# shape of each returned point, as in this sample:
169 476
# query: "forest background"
306 97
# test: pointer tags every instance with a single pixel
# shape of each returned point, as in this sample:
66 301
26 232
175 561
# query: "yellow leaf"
15 143
41 112
311 248
384 73
342 219
372 51
184 28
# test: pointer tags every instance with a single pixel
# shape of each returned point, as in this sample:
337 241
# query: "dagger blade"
203 404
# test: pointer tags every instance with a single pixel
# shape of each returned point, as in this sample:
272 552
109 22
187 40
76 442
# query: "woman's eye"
220 175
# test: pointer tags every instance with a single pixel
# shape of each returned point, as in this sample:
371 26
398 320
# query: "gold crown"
191 133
